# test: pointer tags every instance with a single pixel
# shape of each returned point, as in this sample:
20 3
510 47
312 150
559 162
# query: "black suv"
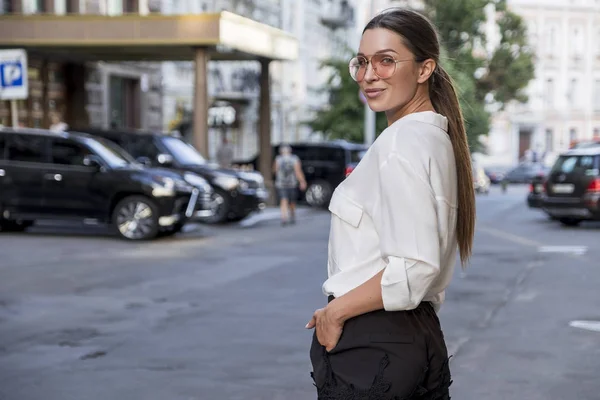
236 194
572 189
325 165
48 175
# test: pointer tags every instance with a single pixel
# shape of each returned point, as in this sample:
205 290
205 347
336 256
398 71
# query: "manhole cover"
579 250
587 325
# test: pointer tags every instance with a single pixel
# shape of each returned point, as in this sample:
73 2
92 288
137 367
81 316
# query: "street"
218 313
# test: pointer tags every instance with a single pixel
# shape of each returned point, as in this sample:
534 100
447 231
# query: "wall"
564 96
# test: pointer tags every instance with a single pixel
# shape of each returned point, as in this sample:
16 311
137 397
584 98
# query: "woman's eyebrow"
380 51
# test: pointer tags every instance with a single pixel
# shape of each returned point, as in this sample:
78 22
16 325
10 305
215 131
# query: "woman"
397 221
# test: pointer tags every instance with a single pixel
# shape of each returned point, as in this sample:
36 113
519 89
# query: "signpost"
13 79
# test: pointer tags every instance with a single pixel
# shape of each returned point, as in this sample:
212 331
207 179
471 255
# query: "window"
26 148
572 92
549 92
183 153
577 43
551 40
549 139
575 164
597 95
67 153
357 155
573 135
6 6
2 143
143 146
33 6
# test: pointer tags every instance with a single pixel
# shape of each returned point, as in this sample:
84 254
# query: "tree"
499 77
481 78
344 117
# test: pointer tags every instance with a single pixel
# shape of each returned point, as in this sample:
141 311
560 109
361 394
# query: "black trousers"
383 355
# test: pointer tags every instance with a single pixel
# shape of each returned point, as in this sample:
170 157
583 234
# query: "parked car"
481 181
496 174
235 193
572 190
325 165
525 172
536 191
50 175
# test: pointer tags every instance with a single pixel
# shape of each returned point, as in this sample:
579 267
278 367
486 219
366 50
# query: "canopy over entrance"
134 37
147 38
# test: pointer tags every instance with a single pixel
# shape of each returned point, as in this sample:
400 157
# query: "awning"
146 38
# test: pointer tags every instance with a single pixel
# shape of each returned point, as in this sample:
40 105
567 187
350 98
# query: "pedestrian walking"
58 125
288 177
397 223
225 153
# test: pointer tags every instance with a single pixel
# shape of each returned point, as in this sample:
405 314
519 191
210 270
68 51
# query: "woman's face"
396 91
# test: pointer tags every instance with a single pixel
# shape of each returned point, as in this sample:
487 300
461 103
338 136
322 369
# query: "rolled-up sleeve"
405 217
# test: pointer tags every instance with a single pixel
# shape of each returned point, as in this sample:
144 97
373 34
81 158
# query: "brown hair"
421 38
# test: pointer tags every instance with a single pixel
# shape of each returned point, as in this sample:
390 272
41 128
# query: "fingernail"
306 326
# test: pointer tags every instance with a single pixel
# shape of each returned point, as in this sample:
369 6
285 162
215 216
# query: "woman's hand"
328 327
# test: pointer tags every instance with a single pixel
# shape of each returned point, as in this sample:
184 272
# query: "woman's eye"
387 60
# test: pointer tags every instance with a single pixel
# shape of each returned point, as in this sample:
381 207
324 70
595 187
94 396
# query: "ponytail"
445 101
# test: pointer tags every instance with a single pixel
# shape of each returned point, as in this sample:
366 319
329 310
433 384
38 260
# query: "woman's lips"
373 93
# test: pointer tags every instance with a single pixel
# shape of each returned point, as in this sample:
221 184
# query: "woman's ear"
426 70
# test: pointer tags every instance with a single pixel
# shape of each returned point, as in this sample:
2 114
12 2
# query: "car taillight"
531 188
349 170
594 186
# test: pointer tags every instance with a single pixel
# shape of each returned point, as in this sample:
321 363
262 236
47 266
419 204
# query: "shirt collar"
429 117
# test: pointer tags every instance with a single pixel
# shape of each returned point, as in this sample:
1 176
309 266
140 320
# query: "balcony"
337 14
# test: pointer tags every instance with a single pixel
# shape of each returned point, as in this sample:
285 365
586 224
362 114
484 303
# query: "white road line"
593 326
579 250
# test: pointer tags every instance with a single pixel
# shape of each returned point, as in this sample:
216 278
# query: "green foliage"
511 66
343 119
479 76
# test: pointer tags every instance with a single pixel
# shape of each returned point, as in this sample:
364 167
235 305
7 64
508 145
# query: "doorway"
525 135
124 103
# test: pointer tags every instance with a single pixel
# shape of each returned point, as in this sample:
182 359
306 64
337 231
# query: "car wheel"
318 194
219 205
570 221
14 226
136 218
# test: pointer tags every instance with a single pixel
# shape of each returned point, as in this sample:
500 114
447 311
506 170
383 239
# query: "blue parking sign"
11 74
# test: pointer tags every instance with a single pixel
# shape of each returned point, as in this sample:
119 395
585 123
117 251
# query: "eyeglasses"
383 65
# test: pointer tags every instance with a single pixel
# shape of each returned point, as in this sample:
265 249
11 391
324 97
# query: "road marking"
509 236
593 326
578 250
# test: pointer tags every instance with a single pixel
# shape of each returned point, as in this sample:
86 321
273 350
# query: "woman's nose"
370 74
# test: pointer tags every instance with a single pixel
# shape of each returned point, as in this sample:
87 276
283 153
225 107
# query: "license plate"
539 187
563 188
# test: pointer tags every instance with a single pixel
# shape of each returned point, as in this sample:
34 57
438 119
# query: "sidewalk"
273 214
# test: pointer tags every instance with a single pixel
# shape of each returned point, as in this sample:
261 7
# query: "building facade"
82 94
233 86
564 96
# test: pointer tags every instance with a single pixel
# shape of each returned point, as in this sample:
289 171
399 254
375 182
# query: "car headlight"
227 182
163 186
197 181
244 185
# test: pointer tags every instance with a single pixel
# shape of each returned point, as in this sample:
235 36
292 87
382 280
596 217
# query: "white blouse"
397 211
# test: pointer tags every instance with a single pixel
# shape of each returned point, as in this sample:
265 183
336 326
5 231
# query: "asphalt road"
219 313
